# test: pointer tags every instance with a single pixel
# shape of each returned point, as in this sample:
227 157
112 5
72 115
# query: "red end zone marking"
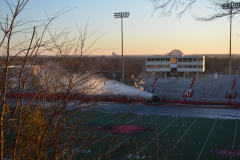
227 152
123 129
100 139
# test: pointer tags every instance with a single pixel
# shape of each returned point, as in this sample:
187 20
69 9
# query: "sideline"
154 138
234 137
199 106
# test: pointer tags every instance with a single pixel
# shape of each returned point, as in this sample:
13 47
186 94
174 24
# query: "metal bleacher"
172 87
210 87
205 88
237 87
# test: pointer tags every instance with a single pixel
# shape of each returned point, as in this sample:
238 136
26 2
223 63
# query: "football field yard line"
129 137
104 124
90 131
206 140
100 139
68 121
155 138
234 136
181 137
111 120
90 120
93 119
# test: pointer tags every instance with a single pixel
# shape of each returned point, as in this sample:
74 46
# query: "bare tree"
166 7
39 119
32 132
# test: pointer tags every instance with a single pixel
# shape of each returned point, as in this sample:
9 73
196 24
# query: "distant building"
114 55
175 64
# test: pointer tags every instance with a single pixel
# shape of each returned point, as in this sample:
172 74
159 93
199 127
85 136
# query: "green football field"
138 136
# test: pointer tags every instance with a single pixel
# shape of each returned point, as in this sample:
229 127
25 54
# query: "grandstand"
176 89
207 88
237 87
179 78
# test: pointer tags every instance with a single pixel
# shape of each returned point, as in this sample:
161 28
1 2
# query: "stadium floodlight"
230 6
122 15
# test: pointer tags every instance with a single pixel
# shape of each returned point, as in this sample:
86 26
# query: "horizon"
146 55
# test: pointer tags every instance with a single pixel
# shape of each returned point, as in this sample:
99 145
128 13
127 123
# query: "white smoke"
98 85
116 88
56 79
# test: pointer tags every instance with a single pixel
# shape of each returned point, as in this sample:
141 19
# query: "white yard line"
181 137
68 121
206 140
94 118
155 137
82 134
104 124
115 118
128 138
90 131
154 120
101 138
234 136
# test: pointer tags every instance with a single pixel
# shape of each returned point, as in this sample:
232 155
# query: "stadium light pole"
230 6
122 15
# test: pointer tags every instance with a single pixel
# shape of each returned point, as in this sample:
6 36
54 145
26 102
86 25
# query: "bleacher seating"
205 87
172 87
210 87
148 83
237 87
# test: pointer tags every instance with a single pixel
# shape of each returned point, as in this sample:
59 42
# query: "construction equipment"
154 100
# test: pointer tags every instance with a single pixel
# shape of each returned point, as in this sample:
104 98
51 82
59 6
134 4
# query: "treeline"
133 65
221 65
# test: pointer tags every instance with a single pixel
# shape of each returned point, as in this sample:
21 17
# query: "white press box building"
175 64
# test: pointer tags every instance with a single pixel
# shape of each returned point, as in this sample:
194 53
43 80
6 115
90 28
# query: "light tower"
122 15
230 6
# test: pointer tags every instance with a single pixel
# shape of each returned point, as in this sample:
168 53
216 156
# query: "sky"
144 33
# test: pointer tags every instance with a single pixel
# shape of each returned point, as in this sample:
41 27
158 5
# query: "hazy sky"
143 33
